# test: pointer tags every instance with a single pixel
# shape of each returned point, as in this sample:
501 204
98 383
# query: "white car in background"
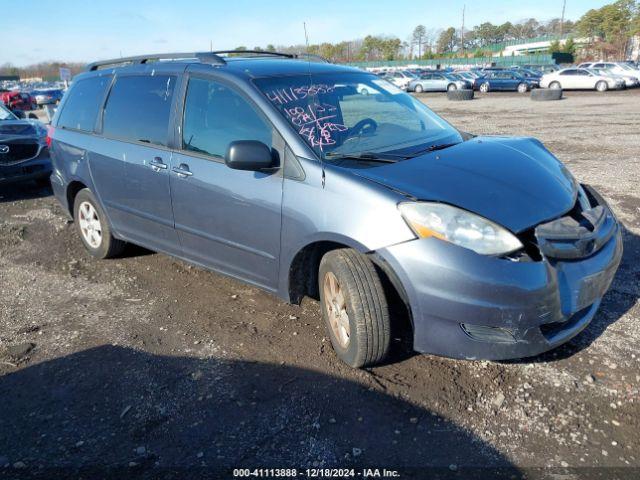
580 79
620 68
629 80
400 78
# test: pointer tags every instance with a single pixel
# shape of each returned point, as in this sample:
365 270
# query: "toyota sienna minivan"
278 171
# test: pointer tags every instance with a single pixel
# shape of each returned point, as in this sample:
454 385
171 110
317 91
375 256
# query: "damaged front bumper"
466 305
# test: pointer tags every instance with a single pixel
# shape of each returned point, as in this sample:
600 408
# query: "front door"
228 220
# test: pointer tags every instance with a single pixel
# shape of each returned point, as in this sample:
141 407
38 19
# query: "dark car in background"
24 153
47 97
503 80
528 73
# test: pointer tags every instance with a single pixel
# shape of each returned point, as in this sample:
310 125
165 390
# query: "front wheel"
602 86
484 88
93 227
354 307
523 88
452 87
418 89
555 85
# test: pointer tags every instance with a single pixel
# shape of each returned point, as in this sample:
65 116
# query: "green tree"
610 27
554 47
569 46
446 40
370 46
418 37
390 48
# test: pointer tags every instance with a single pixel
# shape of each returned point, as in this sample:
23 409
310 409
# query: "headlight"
458 226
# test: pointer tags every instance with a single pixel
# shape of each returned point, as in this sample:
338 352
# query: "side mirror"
248 155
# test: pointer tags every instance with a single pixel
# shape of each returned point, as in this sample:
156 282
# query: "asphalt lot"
154 367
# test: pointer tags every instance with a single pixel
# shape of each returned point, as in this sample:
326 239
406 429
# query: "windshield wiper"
366 156
433 148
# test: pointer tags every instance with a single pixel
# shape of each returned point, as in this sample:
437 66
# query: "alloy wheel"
90 225
336 306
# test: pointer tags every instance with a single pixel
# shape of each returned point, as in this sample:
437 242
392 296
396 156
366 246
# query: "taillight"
50 131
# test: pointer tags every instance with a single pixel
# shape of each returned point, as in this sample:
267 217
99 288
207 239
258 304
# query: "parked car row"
16 100
600 76
23 97
485 80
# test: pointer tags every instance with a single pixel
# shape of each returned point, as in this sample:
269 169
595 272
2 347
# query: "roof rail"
255 53
204 57
213 58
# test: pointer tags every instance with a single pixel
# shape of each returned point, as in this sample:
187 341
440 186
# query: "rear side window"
138 109
85 99
215 116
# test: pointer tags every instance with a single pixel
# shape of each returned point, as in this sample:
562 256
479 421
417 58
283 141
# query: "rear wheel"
602 86
93 227
418 88
354 307
484 88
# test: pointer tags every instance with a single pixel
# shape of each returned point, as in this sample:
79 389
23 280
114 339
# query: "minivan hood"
515 182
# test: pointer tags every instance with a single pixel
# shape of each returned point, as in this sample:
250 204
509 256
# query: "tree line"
608 30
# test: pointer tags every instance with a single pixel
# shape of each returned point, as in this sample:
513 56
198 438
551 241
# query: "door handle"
157 164
182 170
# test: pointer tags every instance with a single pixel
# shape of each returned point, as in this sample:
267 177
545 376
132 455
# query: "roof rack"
213 58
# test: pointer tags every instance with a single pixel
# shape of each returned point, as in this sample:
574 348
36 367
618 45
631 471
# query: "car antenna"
306 40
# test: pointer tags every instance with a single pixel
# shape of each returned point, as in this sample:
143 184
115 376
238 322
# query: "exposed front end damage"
466 305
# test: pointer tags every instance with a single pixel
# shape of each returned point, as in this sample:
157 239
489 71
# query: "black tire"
546 94
602 86
459 95
451 87
418 89
522 88
366 307
109 246
485 87
555 86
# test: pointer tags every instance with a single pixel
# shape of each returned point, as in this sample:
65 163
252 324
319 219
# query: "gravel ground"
146 367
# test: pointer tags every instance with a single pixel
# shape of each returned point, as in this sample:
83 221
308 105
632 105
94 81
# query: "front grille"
12 153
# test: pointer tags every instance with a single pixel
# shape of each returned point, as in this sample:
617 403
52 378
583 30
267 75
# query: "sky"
83 31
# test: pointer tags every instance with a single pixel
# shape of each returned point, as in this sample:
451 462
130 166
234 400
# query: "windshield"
6 114
351 113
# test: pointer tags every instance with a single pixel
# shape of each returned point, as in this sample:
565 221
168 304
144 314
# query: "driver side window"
215 115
